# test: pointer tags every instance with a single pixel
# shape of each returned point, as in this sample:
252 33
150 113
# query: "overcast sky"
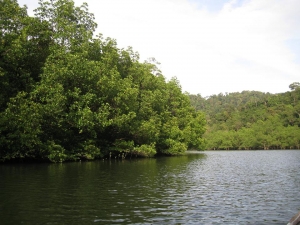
211 46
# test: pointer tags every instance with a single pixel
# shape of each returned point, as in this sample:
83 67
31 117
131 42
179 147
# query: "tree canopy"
68 94
252 120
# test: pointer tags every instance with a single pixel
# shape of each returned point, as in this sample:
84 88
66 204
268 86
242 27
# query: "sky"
211 46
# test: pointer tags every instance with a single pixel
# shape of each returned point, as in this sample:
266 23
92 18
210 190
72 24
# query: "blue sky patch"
215 5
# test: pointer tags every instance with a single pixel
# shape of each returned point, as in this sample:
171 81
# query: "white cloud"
241 47
235 49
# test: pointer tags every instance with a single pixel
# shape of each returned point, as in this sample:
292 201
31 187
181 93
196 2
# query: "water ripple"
235 187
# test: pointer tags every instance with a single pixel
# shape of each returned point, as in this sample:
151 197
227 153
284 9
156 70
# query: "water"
230 187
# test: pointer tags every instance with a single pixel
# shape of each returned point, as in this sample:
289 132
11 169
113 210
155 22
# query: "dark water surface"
230 187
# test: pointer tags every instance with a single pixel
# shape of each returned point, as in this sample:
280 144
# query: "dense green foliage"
252 120
67 94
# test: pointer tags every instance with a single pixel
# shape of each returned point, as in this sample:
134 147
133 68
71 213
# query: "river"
213 187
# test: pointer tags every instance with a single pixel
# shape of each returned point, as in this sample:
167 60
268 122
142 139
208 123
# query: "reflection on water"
230 187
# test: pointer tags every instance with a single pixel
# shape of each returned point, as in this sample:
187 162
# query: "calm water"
232 187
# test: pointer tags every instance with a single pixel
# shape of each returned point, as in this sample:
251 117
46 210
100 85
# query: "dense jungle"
70 94
252 119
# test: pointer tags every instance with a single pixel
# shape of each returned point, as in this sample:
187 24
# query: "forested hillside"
252 120
67 94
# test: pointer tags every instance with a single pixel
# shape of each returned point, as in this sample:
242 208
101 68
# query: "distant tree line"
67 94
251 119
